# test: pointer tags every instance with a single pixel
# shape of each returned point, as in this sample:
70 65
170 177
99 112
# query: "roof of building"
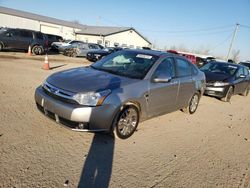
33 16
102 30
85 29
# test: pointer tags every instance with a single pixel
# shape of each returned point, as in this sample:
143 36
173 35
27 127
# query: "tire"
193 104
37 50
246 92
1 46
228 96
125 123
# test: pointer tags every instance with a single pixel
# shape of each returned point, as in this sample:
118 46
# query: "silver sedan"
120 90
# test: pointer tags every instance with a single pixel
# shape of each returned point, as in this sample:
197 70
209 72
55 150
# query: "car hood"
213 77
87 80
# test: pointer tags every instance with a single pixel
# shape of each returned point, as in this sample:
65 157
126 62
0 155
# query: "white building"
108 36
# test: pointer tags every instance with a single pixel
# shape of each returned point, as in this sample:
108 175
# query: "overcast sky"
192 24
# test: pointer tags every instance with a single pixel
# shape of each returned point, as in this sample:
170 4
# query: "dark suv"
21 39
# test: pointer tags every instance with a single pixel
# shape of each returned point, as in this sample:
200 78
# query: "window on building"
116 44
138 47
124 45
99 41
107 43
131 46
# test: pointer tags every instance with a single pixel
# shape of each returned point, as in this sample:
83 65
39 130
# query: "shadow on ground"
97 168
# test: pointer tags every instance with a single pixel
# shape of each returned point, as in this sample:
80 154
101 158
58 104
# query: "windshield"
220 68
127 63
246 64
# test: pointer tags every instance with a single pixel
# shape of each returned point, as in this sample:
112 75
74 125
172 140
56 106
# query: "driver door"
162 96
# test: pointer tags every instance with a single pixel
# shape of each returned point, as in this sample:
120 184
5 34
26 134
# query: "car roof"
150 52
226 63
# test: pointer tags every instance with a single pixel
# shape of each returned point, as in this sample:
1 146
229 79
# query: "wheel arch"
123 106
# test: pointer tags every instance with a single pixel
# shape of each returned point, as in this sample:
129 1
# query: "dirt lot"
208 149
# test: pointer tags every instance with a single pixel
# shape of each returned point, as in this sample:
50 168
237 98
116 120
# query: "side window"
26 34
246 72
92 46
239 72
183 68
13 33
39 36
166 66
194 70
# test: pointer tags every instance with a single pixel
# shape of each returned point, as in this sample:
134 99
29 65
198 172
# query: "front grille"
59 94
210 84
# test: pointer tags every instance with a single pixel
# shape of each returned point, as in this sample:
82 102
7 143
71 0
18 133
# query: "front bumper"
74 116
219 92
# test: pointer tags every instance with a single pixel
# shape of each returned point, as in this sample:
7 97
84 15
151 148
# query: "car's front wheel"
126 122
193 104
1 46
228 96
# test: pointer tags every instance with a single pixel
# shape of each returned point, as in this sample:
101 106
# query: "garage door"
50 29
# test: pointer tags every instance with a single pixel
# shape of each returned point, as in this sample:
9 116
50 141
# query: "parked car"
246 63
95 55
61 46
81 49
53 38
21 39
118 91
226 79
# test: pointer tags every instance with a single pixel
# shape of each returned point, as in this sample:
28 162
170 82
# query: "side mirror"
162 78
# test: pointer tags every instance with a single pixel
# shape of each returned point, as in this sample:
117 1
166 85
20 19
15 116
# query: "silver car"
120 90
81 49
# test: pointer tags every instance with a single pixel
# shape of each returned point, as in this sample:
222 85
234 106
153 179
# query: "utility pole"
98 20
231 44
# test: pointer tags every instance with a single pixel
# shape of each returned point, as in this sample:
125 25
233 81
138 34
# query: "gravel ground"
210 148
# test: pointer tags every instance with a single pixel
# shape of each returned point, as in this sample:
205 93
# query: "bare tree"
235 55
76 21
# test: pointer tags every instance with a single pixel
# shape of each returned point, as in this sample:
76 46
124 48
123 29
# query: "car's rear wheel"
126 122
38 50
228 96
193 104
246 92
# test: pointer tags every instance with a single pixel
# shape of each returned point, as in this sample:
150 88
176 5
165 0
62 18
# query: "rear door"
187 83
25 39
240 81
162 96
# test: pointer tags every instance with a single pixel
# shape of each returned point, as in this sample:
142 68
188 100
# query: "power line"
196 35
185 31
246 26
222 42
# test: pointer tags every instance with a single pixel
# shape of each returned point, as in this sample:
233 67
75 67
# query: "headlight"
91 98
221 84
